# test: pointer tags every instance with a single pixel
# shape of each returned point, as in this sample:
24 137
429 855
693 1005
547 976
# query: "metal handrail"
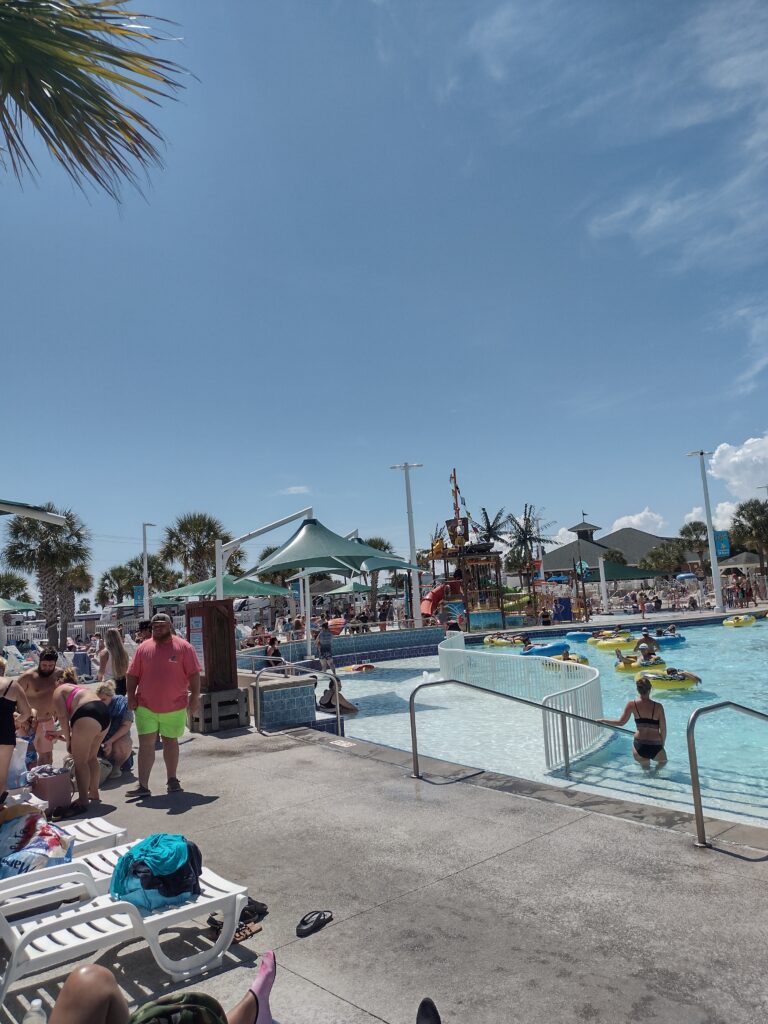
701 835
288 666
416 774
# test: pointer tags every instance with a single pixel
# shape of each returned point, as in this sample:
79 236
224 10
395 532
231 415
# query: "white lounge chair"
92 834
38 942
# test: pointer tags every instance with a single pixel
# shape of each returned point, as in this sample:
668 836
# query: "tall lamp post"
415 588
710 532
145 569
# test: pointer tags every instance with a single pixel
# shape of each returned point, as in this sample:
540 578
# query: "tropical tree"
114 584
615 556
525 535
385 547
491 530
75 580
749 528
13 587
69 70
191 542
694 536
163 576
668 557
47 551
84 605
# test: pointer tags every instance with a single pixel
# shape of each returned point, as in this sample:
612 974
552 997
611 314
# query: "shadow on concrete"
440 780
176 803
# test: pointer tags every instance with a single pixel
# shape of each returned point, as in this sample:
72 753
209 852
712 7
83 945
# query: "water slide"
431 600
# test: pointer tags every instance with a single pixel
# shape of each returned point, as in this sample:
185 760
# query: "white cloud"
721 516
646 520
295 489
753 317
743 468
562 536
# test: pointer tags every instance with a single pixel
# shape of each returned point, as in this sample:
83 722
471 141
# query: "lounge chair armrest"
44 879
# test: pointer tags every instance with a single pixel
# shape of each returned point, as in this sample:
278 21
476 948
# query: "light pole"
145 569
415 588
710 533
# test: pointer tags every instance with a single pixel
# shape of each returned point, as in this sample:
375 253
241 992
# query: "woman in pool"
650 723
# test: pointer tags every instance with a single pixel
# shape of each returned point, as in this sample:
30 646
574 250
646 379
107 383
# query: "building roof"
583 526
634 544
564 557
745 558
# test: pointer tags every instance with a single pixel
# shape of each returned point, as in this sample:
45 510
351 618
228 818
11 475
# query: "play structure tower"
470 581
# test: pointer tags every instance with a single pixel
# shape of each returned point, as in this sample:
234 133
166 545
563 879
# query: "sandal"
313 922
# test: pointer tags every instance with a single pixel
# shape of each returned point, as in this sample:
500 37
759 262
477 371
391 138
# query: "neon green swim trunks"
170 724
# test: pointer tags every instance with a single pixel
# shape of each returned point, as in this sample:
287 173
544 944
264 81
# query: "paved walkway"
503 907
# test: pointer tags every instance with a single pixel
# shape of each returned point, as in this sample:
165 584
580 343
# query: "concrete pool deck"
501 899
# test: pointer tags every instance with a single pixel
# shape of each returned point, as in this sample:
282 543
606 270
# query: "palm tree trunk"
67 614
46 582
198 571
374 595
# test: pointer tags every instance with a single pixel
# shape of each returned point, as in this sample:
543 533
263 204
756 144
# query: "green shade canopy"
389 592
232 588
315 545
388 562
8 605
351 588
614 572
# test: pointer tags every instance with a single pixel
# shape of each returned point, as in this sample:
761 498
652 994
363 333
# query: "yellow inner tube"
597 640
633 666
740 620
578 658
661 681
617 643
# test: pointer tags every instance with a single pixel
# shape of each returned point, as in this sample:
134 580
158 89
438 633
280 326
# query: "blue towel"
156 857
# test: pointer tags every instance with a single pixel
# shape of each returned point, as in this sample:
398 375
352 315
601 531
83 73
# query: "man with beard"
39 685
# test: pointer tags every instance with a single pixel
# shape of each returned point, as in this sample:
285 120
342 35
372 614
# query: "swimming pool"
484 732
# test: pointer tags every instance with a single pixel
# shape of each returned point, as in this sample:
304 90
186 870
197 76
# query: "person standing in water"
650 725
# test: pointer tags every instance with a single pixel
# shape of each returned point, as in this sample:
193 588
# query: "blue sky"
525 240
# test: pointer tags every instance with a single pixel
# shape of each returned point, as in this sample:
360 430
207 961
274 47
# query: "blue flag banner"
138 596
722 543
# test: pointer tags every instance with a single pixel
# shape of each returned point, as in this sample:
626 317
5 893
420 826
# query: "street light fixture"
415 588
145 569
710 532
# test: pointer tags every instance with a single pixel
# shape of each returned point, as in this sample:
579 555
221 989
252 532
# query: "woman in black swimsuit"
650 723
12 697
84 720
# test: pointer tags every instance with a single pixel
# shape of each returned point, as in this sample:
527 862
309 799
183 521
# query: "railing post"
564 735
701 833
415 774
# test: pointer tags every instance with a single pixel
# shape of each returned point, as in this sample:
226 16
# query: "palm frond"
68 68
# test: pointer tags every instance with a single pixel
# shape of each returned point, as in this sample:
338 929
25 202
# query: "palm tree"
47 551
694 536
615 556
385 546
162 575
14 587
75 580
749 528
191 542
667 557
69 70
84 605
114 584
524 536
492 530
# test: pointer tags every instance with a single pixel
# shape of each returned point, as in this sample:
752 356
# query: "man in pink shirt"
163 682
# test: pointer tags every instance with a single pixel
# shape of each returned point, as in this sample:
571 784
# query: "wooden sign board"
211 631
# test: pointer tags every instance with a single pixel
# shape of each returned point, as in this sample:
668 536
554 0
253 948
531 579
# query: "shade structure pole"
415 588
603 585
716 586
219 557
307 616
145 569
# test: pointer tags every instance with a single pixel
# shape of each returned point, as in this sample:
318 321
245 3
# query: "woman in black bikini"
12 698
84 721
651 725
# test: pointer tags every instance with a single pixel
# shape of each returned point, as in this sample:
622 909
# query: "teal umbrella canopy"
315 545
8 605
387 562
232 588
350 588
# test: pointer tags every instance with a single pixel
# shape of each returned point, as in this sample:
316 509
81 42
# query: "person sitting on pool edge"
650 726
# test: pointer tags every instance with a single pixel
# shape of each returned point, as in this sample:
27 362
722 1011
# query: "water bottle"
35 1014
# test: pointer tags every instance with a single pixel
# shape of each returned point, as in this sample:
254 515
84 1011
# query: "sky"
528 241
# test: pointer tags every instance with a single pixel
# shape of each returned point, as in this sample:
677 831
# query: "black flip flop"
313 922
427 1013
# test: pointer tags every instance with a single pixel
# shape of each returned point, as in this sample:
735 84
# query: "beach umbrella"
351 588
233 587
686 576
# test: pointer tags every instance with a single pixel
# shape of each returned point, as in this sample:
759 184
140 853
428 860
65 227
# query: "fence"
563 685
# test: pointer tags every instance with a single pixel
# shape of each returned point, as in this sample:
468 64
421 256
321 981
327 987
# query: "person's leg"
253 1008
6 753
171 756
146 757
84 731
661 758
94 767
121 751
642 761
90 996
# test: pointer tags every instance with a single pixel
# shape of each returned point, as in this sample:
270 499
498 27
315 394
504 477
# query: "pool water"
484 732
